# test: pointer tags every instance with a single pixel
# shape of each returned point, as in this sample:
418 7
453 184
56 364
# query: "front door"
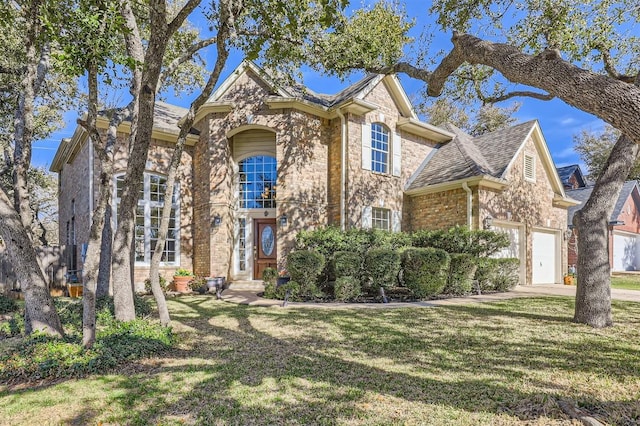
264 246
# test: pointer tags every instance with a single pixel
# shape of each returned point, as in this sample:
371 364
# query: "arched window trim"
147 203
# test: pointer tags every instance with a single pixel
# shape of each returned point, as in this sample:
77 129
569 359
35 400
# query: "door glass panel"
267 240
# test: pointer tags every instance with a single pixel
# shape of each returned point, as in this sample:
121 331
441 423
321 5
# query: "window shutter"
397 154
366 146
396 221
366 217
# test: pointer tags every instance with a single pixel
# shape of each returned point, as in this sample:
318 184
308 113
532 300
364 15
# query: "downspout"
469 205
343 167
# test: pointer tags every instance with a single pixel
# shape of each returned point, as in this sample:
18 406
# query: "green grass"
626 282
501 363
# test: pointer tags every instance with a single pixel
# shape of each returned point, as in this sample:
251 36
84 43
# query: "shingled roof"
467 156
329 101
566 172
583 194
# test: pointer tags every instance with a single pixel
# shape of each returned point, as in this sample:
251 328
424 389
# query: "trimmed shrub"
296 292
486 271
459 239
425 271
462 269
347 288
269 275
7 305
347 264
382 267
508 274
304 266
497 274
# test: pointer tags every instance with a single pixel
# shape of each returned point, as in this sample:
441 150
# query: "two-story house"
265 161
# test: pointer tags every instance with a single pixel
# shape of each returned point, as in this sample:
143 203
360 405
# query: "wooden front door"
264 246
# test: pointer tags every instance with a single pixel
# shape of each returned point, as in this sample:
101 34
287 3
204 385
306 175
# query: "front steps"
247 285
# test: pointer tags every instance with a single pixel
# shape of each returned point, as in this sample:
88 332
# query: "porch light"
487 222
568 233
284 220
217 221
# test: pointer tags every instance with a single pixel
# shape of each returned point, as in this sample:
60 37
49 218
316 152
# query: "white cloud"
565 153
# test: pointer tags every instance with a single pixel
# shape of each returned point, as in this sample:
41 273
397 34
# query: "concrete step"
257 285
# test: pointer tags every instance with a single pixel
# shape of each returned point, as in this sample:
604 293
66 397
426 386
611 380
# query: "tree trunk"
593 295
104 272
221 59
40 312
144 87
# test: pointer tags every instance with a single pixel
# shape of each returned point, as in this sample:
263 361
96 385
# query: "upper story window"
379 148
529 167
258 177
148 216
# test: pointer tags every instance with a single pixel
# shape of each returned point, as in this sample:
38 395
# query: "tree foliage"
594 148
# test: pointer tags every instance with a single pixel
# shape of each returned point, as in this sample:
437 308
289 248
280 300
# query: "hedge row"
426 272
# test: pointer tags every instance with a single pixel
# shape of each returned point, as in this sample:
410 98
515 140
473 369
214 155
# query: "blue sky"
559 121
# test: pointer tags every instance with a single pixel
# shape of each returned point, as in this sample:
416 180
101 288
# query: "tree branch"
186 10
547 71
517 94
611 69
171 68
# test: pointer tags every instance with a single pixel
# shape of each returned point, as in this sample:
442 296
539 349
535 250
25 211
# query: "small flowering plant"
283 273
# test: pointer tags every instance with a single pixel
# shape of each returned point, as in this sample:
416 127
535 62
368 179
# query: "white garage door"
514 250
626 252
544 258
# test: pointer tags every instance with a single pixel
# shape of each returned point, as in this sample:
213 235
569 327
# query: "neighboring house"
266 161
623 227
572 177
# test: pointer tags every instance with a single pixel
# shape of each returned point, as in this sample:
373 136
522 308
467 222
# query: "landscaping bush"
459 239
497 274
508 274
347 264
347 288
425 271
269 275
163 284
304 266
462 270
296 291
486 271
7 305
382 267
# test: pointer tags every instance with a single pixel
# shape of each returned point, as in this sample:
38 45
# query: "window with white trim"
381 219
379 148
529 167
258 177
148 217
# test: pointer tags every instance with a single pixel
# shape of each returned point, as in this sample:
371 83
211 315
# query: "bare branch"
43 67
517 94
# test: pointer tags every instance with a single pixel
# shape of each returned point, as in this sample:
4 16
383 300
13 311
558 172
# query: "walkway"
245 297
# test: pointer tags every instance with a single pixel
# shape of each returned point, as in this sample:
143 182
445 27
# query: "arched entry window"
258 176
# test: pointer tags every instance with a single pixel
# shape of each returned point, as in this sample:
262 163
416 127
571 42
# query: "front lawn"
626 282
502 363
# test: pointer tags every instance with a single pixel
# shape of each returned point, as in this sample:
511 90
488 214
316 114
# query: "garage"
515 250
544 257
626 252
